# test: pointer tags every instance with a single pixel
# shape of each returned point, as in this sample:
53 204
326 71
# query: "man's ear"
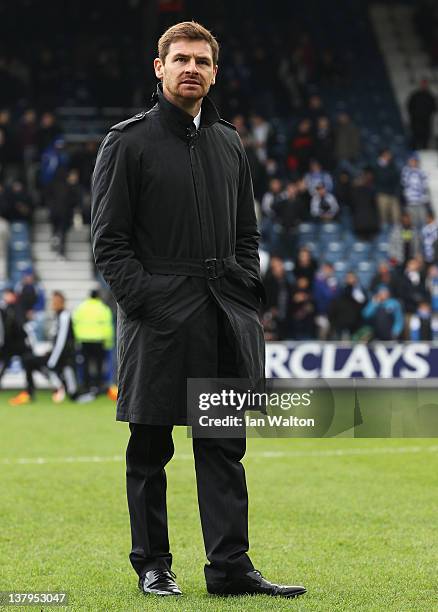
213 81
158 67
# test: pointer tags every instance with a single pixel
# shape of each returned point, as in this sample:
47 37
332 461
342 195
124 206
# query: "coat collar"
178 120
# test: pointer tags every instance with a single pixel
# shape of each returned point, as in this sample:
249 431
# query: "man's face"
277 267
9 297
291 190
188 71
57 303
405 220
383 295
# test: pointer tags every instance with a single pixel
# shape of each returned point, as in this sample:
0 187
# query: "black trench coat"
165 198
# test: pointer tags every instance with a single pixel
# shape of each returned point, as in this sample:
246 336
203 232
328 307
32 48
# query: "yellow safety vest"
93 322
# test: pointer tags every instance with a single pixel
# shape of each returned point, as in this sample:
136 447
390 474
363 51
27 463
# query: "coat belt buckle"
211 268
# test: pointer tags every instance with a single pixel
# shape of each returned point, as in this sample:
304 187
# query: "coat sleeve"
114 188
247 233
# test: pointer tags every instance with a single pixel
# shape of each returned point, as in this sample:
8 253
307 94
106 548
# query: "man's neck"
191 107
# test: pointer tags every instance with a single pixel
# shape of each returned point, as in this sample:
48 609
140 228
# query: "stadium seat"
334 251
330 231
341 268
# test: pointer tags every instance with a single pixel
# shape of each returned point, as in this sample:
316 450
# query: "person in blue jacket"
385 314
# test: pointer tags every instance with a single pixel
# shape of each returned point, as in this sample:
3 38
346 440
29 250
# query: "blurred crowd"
339 207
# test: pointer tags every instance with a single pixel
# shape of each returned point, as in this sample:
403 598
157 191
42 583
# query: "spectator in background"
258 171
421 108
260 132
94 330
344 195
84 160
274 190
387 178
9 148
412 288
384 276
317 176
28 134
385 315
289 211
49 130
404 241
63 196
278 297
324 147
423 324
432 287
31 296
301 148
53 158
27 139
13 340
323 205
4 235
429 236
325 290
305 265
302 310
31 305
288 74
365 217
347 142
315 109
330 69
19 203
415 190
268 214
345 310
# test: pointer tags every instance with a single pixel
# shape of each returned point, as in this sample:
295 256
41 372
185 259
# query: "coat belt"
211 268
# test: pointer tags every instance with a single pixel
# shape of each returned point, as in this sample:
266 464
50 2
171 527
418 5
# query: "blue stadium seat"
19 251
306 229
313 248
330 231
334 251
341 269
365 279
362 248
19 230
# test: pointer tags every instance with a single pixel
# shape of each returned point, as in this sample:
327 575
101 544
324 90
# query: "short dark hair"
187 29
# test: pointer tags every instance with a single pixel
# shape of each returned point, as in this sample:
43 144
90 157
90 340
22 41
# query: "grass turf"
358 530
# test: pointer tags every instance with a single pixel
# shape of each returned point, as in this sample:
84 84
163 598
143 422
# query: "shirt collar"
197 119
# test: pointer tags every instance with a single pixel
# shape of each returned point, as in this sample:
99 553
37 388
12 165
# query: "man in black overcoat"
175 236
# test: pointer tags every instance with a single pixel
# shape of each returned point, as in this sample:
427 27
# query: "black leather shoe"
253 583
159 582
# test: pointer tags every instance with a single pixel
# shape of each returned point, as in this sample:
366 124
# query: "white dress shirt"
197 119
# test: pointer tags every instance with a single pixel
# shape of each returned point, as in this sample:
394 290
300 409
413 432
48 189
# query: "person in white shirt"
324 205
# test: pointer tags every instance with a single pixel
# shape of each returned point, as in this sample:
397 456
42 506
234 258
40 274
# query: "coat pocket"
158 290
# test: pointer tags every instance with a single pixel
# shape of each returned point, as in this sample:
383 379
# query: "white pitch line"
264 454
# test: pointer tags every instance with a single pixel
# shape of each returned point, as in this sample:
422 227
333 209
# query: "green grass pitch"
355 521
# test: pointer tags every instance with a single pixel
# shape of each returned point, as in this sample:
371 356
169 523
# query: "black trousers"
94 357
5 361
221 487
